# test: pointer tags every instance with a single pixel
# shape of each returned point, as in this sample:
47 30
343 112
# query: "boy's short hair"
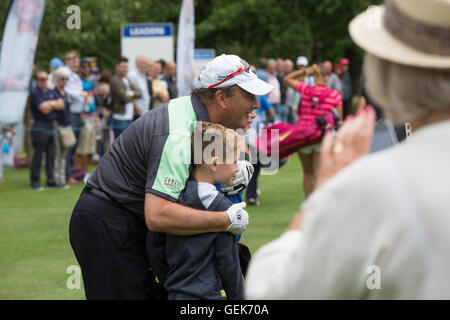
214 140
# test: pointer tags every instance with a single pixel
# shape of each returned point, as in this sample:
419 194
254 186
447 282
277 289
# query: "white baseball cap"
302 61
228 69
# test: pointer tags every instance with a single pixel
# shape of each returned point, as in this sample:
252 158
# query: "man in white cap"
295 97
302 63
137 183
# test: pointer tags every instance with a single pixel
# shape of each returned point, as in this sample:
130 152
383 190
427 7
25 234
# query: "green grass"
34 242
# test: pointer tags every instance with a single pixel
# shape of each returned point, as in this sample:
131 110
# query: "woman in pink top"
318 100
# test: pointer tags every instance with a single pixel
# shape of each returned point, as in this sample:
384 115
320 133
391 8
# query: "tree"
249 28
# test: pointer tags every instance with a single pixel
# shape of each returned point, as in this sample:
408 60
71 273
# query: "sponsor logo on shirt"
172 183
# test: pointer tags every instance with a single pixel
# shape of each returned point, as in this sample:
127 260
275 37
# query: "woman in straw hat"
377 226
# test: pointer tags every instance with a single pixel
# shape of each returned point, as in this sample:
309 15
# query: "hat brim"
256 87
376 40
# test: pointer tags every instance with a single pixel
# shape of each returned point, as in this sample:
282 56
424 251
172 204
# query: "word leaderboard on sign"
153 40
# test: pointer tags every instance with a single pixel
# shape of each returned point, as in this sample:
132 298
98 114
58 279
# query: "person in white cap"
302 63
296 99
378 226
137 183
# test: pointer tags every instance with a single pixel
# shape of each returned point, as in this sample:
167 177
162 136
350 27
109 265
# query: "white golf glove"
242 178
238 217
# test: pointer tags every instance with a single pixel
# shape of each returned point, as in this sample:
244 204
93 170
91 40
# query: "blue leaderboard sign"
147 30
204 54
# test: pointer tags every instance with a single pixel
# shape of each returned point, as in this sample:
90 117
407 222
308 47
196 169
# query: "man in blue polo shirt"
43 103
137 183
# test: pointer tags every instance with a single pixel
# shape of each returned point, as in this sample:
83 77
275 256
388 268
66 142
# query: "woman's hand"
352 141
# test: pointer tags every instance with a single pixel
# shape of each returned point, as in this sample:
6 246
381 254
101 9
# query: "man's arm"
119 91
75 89
45 107
49 105
137 93
162 215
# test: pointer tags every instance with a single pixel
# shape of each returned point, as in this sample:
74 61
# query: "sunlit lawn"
34 243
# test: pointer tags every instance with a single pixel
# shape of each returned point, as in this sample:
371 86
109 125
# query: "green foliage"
100 27
250 28
256 28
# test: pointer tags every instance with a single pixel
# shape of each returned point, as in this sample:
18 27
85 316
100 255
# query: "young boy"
200 266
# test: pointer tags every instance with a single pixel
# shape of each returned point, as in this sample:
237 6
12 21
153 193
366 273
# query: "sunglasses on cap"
231 75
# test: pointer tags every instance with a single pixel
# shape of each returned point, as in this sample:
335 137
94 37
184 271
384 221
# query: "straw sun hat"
408 32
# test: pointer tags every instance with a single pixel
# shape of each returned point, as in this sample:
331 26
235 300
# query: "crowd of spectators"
77 113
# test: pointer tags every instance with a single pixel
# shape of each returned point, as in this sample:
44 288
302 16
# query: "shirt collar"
200 109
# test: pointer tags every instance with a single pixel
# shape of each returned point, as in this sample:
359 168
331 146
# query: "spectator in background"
261 71
60 78
264 115
274 96
6 135
302 63
87 141
88 87
346 87
163 65
74 89
140 80
54 64
123 92
337 68
160 93
333 80
103 101
292 96
288 66
43 103
159 70
282 109
279 66
170 77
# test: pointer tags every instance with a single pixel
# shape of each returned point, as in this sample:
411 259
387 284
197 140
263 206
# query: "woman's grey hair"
60 72
206 95
406 93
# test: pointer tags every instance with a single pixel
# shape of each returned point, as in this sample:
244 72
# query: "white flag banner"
19 42
185 48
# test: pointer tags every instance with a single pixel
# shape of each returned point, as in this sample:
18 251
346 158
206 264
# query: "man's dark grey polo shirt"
153 155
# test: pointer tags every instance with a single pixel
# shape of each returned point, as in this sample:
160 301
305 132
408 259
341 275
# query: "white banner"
185 48
19 42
